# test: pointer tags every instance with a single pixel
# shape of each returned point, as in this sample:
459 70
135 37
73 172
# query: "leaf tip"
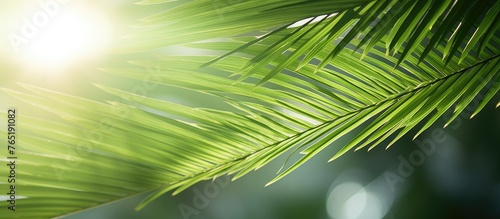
371 148
334 157
271 182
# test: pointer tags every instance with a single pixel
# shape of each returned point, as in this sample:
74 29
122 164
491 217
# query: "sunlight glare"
77 34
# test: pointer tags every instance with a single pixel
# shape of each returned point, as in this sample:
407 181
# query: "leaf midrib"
390 98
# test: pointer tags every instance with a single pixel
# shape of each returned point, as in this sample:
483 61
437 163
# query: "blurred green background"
459 178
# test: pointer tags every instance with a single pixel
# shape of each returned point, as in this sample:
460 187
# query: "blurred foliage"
252 86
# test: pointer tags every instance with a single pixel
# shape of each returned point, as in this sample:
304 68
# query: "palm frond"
320 88
441 21
205 19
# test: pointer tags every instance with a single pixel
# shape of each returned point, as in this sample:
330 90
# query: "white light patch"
72 36
304 21
352 201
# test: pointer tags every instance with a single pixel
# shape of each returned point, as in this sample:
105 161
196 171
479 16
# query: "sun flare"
55 43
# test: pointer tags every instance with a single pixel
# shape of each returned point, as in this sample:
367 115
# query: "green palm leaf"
320 88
